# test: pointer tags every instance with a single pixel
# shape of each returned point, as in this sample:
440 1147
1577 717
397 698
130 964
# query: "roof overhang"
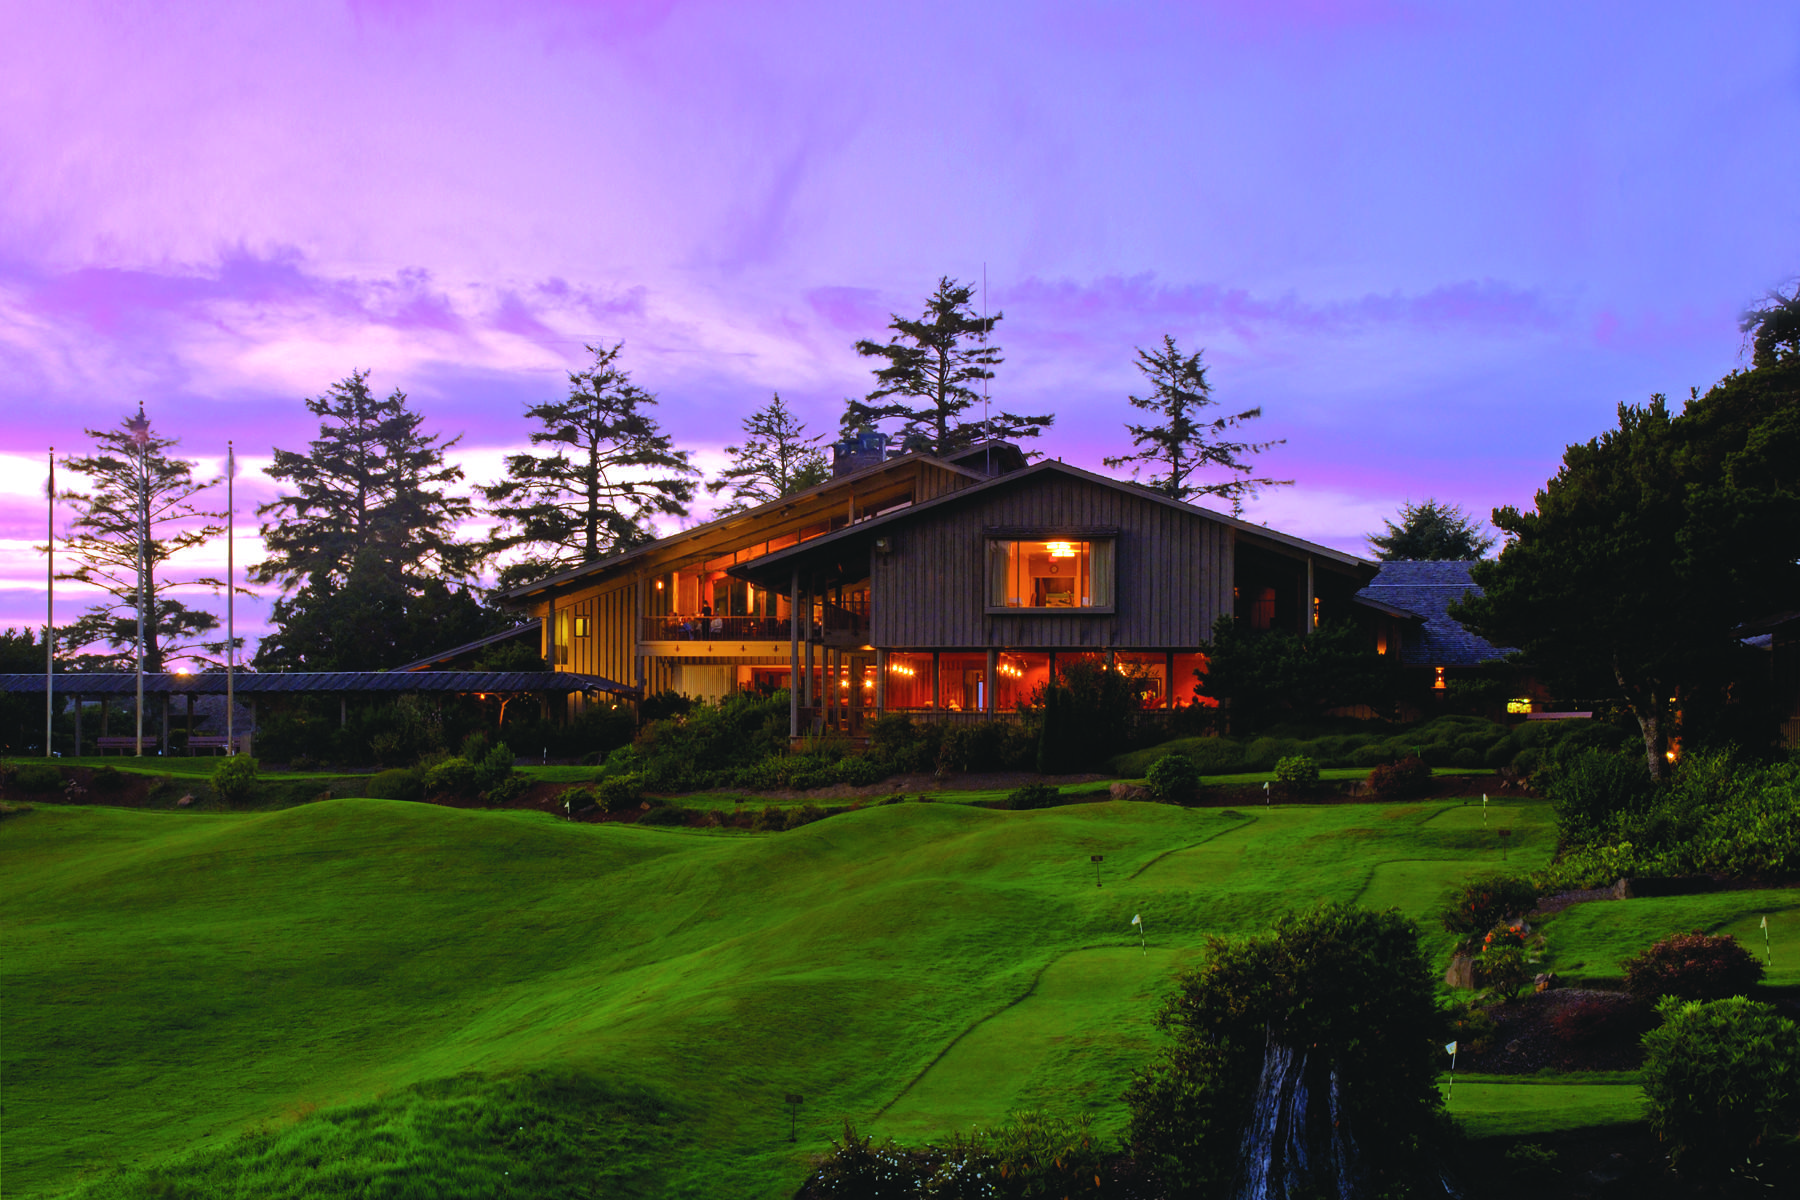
300 683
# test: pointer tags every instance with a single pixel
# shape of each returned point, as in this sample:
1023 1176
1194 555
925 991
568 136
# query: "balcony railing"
716 629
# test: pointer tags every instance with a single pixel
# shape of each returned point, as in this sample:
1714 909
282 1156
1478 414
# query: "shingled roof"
1428 589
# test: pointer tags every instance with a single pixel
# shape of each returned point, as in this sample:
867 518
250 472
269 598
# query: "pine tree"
936 362
1190 441
139 491
370 481
612 470
1431 532
776 460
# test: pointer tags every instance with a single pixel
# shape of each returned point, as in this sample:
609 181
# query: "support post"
190 723
166 706
77 726
1168 679
794 656
343 712
881 674
990 681
106 716
936 683
1307 622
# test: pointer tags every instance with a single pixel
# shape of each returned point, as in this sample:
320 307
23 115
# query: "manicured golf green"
174 979
1490 1105
1588 940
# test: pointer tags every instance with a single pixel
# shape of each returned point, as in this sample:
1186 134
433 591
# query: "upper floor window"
1051 574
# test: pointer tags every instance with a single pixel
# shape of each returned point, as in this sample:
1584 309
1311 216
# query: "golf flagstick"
1767 952
1138 920
1450 1049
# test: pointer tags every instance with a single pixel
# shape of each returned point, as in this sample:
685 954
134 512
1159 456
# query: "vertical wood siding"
1175 572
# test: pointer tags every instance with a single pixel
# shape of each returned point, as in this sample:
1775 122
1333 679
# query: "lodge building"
948 587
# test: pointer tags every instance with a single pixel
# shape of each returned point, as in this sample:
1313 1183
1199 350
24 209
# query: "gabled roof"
848 480
777 560
1425 591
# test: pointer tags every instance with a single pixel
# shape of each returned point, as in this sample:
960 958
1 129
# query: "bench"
125 745
215 741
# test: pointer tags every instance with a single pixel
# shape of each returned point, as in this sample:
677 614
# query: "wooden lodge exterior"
946 587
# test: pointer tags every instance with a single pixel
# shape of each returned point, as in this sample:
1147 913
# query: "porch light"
1061 549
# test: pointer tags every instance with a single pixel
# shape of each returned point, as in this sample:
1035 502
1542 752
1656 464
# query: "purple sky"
1435 241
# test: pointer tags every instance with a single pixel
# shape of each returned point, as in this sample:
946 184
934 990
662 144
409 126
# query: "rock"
184 802
1546 981
1622 890
1461 973
1130 791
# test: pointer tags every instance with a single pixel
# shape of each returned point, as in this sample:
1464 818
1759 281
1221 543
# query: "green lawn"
1588 940
175 979
1492 1105
198 766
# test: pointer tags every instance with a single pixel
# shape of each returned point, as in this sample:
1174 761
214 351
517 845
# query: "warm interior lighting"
1521 704
1061 549
659 585
1438 683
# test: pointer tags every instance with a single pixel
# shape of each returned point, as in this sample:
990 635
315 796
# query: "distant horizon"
1436 246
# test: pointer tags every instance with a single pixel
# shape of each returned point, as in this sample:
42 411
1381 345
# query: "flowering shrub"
1482 903
1692 966
1504 961
1400 780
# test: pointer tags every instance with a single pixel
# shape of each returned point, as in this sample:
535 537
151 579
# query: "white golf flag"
1450 1049
1138 919
1765 922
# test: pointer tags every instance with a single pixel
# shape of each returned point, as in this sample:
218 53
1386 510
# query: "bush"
806 814
665 814
616 793
1298 772
1399 781
1377 755
772 819
1480 904
1504 960
493 768
452 776
1591 791
1692 966
1032 795
661 705
578 799
508 789
1600 1019
1723 1078
234 777
106 779
401 783
37 777
1174 779
1348 986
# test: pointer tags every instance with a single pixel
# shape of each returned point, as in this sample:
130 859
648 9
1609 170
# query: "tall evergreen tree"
1431 531
611 470
139 491
373 481
1190 441
777 459
932 367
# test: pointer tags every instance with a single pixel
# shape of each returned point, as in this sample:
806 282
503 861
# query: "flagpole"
230 593
50 611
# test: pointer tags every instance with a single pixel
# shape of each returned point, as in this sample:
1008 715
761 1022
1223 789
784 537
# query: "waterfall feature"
1295 1143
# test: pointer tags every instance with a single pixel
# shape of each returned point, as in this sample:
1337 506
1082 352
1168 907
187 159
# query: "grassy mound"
176 979
528 1135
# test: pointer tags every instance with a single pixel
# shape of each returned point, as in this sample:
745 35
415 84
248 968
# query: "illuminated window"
1051 574
1437 682
581 626
1519 704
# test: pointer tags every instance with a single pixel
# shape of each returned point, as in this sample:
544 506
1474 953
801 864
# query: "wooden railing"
707 629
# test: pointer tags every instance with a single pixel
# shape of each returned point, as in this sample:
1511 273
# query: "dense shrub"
771 819
234 777
1086 717
1298 772
665 814
1723 1079
453 776
1031 1155
1351 987
1400 780
37 777
400 783
658 706
508 789
1692 966
1592 791
1174 779
1032 795
1481 903
1607 1018
616 793
1504 959
578 799
806 814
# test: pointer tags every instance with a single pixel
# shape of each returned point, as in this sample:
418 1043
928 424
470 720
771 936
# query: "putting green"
1491 1105
1589 940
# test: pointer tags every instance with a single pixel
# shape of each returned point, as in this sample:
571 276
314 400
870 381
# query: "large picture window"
1055 573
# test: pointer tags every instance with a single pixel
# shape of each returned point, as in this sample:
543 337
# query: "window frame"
1060 533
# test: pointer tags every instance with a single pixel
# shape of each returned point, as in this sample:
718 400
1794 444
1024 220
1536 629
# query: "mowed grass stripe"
178 977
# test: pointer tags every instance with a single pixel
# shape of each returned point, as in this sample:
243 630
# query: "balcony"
838 625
